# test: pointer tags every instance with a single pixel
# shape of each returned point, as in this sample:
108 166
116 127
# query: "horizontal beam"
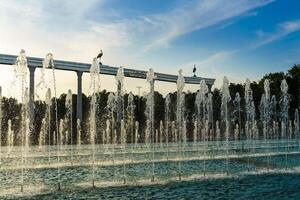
104 69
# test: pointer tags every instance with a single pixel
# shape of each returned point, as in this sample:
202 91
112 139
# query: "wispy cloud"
67 23
283 29
62 27
67 29
197 15
213 66
212 60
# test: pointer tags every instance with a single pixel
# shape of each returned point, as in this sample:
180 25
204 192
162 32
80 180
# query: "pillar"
209 88
31 92
79 95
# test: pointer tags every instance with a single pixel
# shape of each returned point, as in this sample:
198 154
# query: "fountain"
79 133
161 133
69 122
123 147
237 113
236 135
150 116
273 114
204 105
195 133
10 138
106 139
265 113
218 133
47 118
21 69
0 127
130 119
284 104
296 125
255 136
290 136
156 138
184 138
180 114
59 142
93 133
167 121
224 112
48 62
111 109
94 86
137 136
42 135
173 127
198 113
123 143
41 86
250 118
119 97
210 118
205 147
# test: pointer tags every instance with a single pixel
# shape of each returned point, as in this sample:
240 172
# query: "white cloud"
214 66
66 29
197 15
283 30
61 27
260 33
65 24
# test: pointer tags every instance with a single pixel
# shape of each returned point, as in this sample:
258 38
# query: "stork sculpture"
99 56
194 71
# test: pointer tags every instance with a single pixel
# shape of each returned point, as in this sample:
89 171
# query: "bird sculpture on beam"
194 71
99 56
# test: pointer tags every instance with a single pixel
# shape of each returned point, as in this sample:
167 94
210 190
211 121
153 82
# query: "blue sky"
239 39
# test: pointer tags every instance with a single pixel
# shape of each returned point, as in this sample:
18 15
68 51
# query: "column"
209 88
79 95
31 93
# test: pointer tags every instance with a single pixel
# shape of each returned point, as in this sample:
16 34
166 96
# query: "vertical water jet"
224 112
94 87
180 112
150 132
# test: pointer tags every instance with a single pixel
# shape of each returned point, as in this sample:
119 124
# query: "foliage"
11 108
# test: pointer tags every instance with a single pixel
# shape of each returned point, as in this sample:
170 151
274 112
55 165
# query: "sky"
238 39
